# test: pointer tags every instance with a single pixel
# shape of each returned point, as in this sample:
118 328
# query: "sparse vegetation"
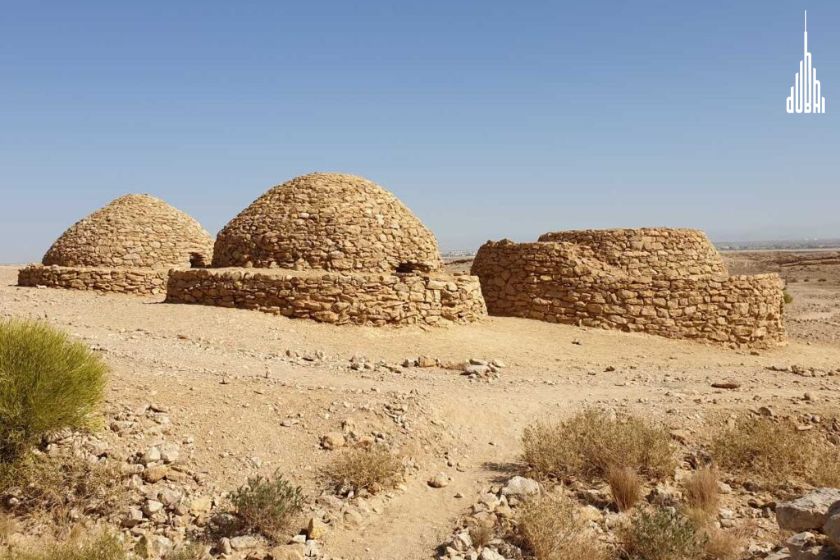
661 535
371 469
625 485
266 505
701 491
775 451
787 297
102 547
47 383
189 551
722 545
481 534
551 530
591 442
61 484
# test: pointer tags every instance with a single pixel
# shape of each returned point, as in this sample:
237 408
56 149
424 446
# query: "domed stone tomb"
334 248
127 246
327 221
668 282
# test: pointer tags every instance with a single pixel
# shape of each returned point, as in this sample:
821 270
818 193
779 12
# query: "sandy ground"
228 383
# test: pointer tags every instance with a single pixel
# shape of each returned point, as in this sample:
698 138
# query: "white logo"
805 95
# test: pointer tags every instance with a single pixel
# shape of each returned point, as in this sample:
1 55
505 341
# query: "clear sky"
488 119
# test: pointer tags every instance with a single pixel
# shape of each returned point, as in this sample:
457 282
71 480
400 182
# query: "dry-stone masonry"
359 298
334 248
666 282
127 246
327 221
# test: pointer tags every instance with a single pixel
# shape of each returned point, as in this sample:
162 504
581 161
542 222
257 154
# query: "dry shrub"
661 535
625 485
188 551
722 545
701 491
551 530
371 469
102 547
8 525
47 383
61 484
266 505
591 442
481 535
775 451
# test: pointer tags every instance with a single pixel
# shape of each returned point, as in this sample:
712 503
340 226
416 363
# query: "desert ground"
243 392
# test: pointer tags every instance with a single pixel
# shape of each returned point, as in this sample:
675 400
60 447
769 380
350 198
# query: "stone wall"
564 282
327 221
142 281
654 252
339 298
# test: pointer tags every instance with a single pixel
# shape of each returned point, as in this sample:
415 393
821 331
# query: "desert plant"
551 530
102 547
481 534
787 297
60 484
591 442
371 469
722 545
47 383
775 451
189 551
701 491
660 534
625 485
265 505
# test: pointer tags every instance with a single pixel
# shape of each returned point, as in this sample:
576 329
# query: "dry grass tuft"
776 452
591 442
551 530
625 485
722 545
701 491
102 547
371 469
481 535
8 525
58 485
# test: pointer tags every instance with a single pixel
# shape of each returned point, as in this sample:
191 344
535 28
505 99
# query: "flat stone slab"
810 512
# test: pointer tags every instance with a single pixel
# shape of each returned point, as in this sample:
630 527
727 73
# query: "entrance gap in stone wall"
197 261
409 267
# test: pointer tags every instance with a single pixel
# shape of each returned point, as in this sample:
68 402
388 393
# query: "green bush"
787 296
103 547
266 505
47 383
661 535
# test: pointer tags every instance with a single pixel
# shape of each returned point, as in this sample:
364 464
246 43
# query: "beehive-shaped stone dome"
133 231
327 221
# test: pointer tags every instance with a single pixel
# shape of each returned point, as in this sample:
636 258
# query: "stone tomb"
668 282
334 248
128 246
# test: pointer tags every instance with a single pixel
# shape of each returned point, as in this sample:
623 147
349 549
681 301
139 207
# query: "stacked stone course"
339 298
334 248
127 246
670 283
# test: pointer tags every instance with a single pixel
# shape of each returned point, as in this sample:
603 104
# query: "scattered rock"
810 512
440 480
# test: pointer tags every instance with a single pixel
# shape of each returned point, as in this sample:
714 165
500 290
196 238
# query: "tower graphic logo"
806 93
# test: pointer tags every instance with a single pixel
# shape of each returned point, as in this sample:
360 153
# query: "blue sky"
492 119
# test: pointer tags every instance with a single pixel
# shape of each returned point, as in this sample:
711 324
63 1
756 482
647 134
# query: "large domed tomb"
127 246
334 248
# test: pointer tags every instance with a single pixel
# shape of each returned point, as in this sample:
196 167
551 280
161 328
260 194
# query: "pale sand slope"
176 355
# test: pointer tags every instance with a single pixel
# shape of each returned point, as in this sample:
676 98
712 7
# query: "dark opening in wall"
409 267
197 261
